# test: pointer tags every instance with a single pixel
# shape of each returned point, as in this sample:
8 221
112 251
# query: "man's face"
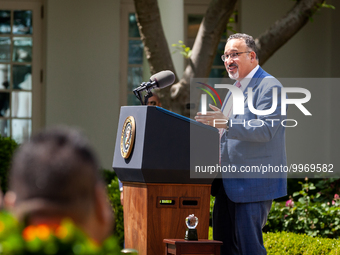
153 101
238 67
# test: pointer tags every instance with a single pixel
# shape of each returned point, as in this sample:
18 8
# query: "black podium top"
167 146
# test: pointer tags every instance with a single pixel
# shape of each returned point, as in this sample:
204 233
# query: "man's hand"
215 119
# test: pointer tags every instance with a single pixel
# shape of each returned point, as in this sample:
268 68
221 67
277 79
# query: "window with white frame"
134 66
20 68
194 12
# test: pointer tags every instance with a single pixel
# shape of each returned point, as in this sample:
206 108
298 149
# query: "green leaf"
302 200
324 5
296 194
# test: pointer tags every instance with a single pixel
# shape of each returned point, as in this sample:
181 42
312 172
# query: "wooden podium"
157 175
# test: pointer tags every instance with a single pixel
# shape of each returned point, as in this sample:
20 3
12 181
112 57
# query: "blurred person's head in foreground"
55 176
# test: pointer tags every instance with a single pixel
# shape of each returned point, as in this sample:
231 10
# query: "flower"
61 232
65 238
2 226
336 197
29 233
333 202
290 203
43 232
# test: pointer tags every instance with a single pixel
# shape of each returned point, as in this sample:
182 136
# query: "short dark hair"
248 39
56 167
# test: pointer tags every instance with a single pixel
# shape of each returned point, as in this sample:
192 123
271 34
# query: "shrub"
305 215
108 175
111 180
328 187
114 196
212 203
7 148
295 244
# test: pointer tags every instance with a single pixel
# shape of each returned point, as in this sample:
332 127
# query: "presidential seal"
128 137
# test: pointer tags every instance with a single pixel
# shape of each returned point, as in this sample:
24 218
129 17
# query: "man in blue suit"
253 146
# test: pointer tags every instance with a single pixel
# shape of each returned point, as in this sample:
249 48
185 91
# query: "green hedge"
111 179
295 244
7 148
114 196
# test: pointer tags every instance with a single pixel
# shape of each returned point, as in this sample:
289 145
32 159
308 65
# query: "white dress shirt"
227 111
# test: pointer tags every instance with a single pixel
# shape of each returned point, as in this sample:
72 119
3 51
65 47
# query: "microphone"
159 80
162 79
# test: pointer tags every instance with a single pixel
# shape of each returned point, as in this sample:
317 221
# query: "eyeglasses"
232 55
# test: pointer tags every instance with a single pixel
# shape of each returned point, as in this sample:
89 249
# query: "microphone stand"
144 86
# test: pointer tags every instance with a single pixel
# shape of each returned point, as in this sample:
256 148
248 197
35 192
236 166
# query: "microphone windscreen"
163 78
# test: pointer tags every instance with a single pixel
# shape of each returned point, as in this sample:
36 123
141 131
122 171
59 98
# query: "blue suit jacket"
247 148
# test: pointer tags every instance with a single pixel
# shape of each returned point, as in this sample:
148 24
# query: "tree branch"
152 34
155 44
203 52
285 28
209 35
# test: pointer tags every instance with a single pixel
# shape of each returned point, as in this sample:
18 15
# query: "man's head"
56 175
154 100
240 56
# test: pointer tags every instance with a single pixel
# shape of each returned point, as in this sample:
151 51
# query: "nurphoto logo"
239 100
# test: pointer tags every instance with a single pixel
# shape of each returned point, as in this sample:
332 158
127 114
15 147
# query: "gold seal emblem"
128 137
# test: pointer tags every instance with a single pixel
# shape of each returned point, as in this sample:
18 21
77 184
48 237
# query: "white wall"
299 57
82 87
172 17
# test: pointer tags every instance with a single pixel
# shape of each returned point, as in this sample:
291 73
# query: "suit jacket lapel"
254 82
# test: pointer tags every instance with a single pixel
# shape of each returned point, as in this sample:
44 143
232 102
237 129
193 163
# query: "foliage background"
111 179
7 148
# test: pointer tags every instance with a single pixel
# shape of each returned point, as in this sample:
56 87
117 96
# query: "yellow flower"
61 232
2 226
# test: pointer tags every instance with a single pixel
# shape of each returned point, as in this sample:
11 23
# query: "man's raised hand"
214 118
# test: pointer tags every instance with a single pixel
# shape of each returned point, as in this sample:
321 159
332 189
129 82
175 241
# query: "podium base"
148 219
